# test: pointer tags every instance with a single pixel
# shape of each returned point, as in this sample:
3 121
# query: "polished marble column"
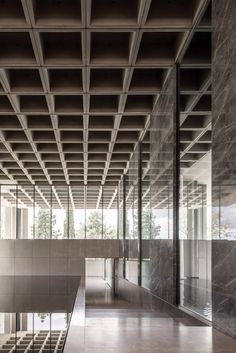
224 165
132 231
162 164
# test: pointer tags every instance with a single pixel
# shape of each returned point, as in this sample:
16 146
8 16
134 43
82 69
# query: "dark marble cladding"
223 91
145 248
131 206
132 248
160 248
224 161
162 143
144 298
161 257
224 285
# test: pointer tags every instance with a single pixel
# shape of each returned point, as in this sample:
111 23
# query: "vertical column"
140 214
68 212
85 211
176 185
17 214
51 212
118 213
163 194
1 235
224 165
124 225
34 197
102 214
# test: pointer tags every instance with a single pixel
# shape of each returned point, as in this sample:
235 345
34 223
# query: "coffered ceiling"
79 81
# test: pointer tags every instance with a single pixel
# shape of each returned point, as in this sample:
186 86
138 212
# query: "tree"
71 230
43 316
43 225
219 229
80 233
149 227
155 228
95 226
109 232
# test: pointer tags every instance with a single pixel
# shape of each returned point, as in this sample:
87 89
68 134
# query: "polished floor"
116 326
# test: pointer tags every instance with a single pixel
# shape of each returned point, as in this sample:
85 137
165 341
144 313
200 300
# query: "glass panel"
195 206
132 220
25 211
78 194
121 266
42 213
94 213
146 212
60 214
110 213
121 208
8 211
70 216
8 333
93 223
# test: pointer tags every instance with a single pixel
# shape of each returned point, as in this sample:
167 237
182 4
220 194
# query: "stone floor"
115 326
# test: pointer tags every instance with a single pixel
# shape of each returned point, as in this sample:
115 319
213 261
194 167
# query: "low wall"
54 257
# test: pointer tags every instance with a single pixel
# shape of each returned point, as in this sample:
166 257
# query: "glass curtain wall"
195 219
157 186
77 212
121 209
110 214
16 220
94 214
42 211
8 212
62 212
195 201
121 226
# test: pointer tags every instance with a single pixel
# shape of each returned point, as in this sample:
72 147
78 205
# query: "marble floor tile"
114 326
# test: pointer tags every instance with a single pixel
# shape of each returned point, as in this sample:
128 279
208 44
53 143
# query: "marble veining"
162 142
224 164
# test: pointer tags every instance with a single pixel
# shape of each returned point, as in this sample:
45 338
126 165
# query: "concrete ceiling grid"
79 82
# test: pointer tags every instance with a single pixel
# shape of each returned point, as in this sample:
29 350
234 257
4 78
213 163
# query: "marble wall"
132 228
158 163
162 164
161 276
224 165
